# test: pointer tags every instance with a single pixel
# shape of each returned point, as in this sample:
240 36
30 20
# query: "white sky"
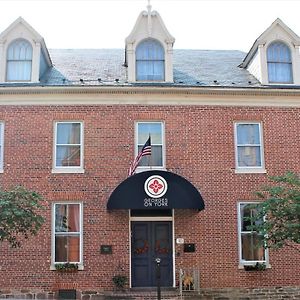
195 24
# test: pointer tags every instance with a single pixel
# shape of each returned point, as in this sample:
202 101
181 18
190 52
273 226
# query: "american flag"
146 150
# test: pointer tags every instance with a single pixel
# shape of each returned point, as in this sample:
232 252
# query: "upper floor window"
1 145
248 140
19 61
279 63
68 153
250 242
150 61
155 131
67 233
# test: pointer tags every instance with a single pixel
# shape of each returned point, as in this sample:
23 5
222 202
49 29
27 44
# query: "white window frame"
249 169
137 60
147 168
80 263
68 169
291 63
19 60
243 262
1 146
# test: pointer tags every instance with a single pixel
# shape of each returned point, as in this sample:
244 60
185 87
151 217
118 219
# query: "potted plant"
257 267
119 281
66 267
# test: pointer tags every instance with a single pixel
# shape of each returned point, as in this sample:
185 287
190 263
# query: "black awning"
155 190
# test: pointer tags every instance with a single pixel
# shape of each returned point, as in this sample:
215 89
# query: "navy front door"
151 240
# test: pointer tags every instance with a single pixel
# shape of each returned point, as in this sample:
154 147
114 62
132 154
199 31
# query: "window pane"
248 134
150 50
279 52
155 159
250 247
280 72
67 248
19 50
249 156
67 218
150 70
68 133
152 129
68 156
18 70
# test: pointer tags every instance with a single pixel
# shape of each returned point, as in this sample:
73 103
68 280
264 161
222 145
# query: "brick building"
220 122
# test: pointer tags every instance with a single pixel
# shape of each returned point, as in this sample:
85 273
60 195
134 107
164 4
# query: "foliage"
119 281
281 208
19 216
257 267
66 267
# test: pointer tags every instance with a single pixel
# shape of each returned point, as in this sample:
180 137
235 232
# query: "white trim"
153 219
121 95
241 261
68 169
129 238
250 169
80 263
174 249
148 168
1 147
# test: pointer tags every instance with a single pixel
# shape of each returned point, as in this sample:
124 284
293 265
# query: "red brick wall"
199 146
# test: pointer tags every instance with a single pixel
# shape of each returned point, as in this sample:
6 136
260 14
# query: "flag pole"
150 158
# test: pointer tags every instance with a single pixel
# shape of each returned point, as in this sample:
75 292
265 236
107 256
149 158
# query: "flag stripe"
146 150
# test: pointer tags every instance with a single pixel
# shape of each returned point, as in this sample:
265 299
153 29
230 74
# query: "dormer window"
150 61
274 56
24 56
279 63
19 61
149 49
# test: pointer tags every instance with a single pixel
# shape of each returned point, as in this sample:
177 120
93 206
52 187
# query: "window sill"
241 265
250 171
67 170
80 268
145 169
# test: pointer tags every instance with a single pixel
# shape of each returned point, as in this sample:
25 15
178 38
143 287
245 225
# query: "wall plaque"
189 248
106 249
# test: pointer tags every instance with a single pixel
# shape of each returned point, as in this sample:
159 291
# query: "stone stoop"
152 295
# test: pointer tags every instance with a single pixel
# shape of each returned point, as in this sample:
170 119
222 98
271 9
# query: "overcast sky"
195 24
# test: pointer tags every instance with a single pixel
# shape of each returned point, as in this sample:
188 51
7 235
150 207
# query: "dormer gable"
24 56
274 56
149 49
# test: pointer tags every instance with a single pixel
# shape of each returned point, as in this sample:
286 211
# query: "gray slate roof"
106 67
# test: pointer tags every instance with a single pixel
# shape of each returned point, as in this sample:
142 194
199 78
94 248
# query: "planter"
66 268
256 267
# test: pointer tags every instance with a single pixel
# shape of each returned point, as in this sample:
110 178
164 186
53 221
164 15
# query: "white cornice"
149 96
